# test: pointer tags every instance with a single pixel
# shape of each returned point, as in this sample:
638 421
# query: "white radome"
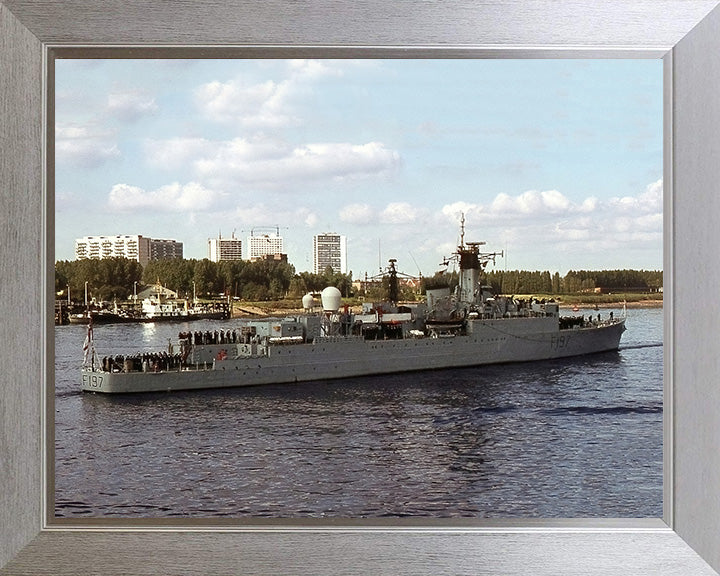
331 299
308 301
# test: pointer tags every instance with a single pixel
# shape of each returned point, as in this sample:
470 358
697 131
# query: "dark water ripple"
571 438
613 410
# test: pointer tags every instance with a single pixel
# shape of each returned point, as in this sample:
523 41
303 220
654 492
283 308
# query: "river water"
570 438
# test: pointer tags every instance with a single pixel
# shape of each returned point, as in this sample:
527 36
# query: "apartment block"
133 247
329 249
264 245
162 249
220 249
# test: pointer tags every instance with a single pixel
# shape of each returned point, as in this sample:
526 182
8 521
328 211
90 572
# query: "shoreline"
250 311
601 305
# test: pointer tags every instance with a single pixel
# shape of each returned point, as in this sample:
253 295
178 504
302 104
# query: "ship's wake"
638 346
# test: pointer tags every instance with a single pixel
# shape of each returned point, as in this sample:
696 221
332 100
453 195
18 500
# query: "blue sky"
556 162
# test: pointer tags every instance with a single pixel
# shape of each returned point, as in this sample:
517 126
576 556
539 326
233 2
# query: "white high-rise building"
330 249
265 245
220 249
133 247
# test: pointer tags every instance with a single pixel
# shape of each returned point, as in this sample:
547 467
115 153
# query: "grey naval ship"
470 326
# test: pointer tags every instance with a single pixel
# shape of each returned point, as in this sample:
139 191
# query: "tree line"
543 282
575 281
119 278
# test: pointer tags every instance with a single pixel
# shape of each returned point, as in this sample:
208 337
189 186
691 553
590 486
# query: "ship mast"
393 292
472 263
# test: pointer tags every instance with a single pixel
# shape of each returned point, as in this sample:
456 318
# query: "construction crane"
275 228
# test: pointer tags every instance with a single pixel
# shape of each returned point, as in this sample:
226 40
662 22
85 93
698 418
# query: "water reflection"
565 438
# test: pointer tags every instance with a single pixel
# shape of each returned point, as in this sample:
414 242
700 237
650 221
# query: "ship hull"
485 342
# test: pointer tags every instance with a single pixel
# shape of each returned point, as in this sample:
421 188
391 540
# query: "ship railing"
91 368
196 367
593 322
286 340
350 338
524 313
609 320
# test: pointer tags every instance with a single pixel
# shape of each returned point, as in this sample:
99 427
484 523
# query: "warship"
468 326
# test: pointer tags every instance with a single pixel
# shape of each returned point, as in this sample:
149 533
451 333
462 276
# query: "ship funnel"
331 299
436 295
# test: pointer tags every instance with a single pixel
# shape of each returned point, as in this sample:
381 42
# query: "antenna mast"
380 267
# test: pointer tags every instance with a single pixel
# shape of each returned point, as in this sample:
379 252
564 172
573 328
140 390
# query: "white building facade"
220 249
132 247
329 249
265 245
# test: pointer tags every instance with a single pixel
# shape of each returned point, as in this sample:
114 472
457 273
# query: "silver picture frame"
684 33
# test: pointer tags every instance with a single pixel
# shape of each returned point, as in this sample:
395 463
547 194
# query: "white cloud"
444 250
251 215
588 205
453 211
84 146
251 105
175 197
550 218
398 213
553 201
357 214
619 224
176 153
131 105
650 221
393 213
573 232
651 200
532 205
341 160
272 163
267 104
313 69
531 202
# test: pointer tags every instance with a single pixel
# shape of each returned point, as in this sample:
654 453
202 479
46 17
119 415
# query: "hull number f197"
559 342
92 380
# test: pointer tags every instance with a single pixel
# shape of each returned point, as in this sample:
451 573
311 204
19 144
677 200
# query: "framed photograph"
687 532
366 410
